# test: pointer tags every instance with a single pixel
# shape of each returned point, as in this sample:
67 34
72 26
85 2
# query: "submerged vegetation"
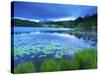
84 59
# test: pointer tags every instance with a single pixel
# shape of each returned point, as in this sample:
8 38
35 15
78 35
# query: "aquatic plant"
47 50
24 67
87 59
42 56
49 65
58 54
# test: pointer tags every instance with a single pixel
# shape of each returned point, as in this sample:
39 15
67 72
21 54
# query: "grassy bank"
84 59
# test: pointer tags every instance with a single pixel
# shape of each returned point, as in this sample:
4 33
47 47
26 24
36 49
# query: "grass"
87 59
84 59
49 65
25 67
64 64
73 65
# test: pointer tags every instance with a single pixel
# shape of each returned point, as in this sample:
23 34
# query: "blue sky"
46 11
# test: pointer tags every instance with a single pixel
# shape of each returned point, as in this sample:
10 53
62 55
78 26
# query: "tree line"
86 23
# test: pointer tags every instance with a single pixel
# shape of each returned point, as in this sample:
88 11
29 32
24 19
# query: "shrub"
25 67
86 58
49 65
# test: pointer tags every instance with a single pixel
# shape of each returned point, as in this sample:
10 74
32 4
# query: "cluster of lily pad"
25 44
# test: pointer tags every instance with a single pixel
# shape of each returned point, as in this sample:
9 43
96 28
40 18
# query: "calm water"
34 29
33 43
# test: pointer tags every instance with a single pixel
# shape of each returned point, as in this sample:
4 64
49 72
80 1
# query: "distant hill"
24 23
86 23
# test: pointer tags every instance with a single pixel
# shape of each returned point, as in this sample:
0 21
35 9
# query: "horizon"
53 20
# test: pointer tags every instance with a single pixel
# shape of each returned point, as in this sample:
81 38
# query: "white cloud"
57 19
27 19
64 19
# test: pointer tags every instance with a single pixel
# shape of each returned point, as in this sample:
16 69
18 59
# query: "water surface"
33 43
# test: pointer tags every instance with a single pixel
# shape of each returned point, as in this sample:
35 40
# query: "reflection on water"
36 29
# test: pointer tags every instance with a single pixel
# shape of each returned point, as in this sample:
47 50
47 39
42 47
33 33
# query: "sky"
47 11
